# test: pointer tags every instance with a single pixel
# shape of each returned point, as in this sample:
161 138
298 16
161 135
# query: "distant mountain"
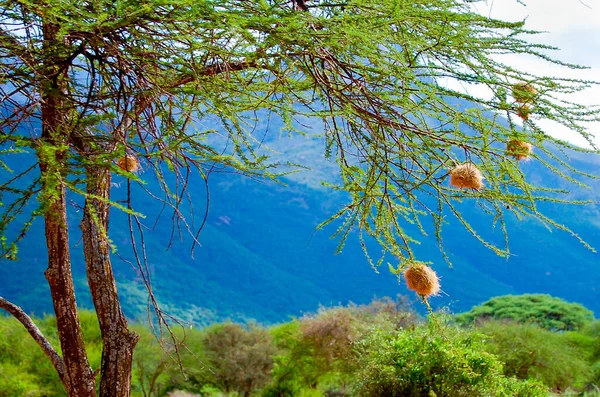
261 259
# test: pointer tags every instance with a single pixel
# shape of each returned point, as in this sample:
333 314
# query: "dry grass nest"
423 280
520 150
466 176
129 163
524 92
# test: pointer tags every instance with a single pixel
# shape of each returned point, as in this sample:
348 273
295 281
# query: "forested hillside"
261 258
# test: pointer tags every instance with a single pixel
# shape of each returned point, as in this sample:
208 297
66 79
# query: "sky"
571 25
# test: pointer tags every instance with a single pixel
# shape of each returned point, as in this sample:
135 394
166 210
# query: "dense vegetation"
380 349
543 310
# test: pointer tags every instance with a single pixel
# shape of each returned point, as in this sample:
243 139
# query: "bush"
331 333
241 359
386 312
316 353
296 370
559 360
151 361
544 310
24 368
434 359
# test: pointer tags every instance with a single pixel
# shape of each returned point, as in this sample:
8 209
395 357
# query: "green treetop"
543 310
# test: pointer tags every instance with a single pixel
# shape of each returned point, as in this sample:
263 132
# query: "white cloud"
554 16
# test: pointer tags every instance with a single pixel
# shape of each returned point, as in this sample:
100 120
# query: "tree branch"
215 69
144 100
300 5
16 48
37 335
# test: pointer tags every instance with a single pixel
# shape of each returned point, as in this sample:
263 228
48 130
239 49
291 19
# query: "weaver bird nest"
524 92
518 149
129 163
466 176
423 280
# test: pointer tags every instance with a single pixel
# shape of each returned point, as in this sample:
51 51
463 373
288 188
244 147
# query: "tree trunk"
79 378
118 341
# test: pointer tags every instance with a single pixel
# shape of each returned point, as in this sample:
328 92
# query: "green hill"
261 258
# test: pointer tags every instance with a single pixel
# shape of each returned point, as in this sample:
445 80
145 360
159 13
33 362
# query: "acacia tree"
88 84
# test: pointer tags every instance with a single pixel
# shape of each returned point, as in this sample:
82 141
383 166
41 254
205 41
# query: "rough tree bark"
118 341
79 377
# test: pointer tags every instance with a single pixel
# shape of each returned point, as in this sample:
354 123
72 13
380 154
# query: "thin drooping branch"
36 334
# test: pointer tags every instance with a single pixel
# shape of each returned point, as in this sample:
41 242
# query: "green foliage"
296 370
379 349
185 361
530 334
317 353
544 310
28 370
366 73
15 382
559 360
151 362
24 367
591 334
436 359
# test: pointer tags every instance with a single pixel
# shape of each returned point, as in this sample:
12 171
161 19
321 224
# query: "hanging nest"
520 150
466 176
524 92
524 111
422 279
129 163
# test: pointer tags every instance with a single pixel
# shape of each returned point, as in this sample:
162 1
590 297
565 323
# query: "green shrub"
198 373
434 359
559 360
296 369
316 353
24 368
543 310
151 361
15 383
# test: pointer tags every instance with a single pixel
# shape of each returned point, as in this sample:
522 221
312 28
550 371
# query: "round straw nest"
524 111
524 92
466 176
520 150
422 279
128 163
